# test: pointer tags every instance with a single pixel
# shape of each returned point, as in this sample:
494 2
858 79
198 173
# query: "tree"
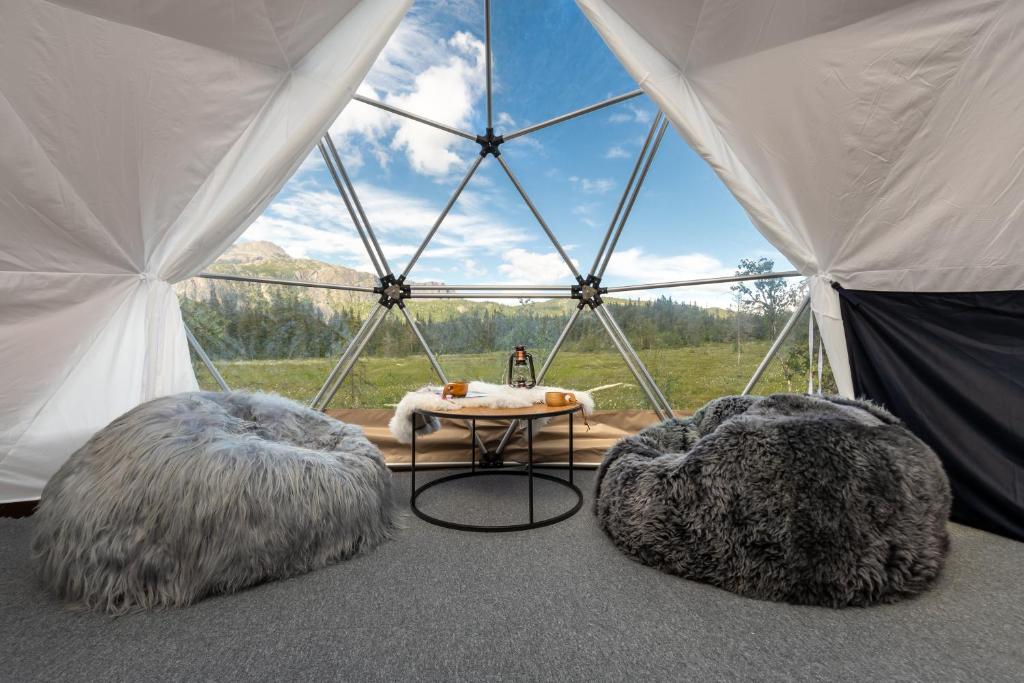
740 324
768 298
796 363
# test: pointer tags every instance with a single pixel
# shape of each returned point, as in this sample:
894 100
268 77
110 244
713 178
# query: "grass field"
689 377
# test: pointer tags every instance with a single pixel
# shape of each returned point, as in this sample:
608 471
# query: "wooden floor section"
550 443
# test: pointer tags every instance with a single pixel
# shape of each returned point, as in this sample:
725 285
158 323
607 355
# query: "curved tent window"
496 240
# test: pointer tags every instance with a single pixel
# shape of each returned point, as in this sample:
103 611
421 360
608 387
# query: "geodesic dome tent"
867 141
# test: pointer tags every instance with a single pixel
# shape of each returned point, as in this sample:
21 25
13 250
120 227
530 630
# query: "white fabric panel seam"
158 245
68 186
756 203
277 38
69 369
696 30
700 130
827 311
134 27
132 273
167 268
861 221
137 333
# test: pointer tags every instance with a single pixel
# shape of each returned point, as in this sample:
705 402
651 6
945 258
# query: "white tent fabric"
867 139
137 140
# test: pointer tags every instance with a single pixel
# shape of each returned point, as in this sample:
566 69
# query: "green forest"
284 339
248 321
286 325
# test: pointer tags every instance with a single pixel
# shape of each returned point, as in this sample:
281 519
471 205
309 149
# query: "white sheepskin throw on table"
203 493
496 396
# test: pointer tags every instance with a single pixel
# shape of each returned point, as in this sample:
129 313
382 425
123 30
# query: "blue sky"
547 61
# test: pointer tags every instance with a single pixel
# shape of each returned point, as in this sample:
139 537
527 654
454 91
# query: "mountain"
254 321
269 260
253 252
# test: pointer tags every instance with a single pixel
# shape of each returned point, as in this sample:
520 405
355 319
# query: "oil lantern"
520 369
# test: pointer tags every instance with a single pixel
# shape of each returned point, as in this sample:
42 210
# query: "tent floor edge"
19 509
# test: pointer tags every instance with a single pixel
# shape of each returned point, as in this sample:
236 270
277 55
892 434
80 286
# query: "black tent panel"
951 365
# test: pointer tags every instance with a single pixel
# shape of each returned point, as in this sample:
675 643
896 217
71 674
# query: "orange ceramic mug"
455 390
558 399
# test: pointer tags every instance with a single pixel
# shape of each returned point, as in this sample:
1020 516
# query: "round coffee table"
527 415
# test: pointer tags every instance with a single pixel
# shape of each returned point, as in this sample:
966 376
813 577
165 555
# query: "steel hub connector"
393 291
489 143
588 291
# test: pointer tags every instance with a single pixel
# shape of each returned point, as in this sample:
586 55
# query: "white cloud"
524 146
637 266
468 268
585 213
303 241
635 260
634 114
362 123
443 92
312 162
422 72
504 120
469 229
593 185
616 152
313 222
522 266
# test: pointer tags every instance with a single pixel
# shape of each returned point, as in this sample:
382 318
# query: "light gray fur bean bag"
203 493
800 499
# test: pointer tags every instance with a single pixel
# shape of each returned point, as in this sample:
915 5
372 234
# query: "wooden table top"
485 413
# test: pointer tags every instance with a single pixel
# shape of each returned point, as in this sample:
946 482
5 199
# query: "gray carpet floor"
554 603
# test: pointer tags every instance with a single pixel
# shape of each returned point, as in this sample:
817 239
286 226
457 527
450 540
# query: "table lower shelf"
495 469
532 524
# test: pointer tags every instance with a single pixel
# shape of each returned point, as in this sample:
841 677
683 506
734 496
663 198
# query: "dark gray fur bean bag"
203 493
816 501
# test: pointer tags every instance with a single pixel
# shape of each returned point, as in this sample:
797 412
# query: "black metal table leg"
413 466
529 467
498 471
570 448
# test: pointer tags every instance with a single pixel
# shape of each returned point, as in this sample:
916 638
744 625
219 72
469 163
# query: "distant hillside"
265 259
251 321
268 260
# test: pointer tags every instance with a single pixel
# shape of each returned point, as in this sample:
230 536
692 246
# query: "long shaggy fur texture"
800 499
203 493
